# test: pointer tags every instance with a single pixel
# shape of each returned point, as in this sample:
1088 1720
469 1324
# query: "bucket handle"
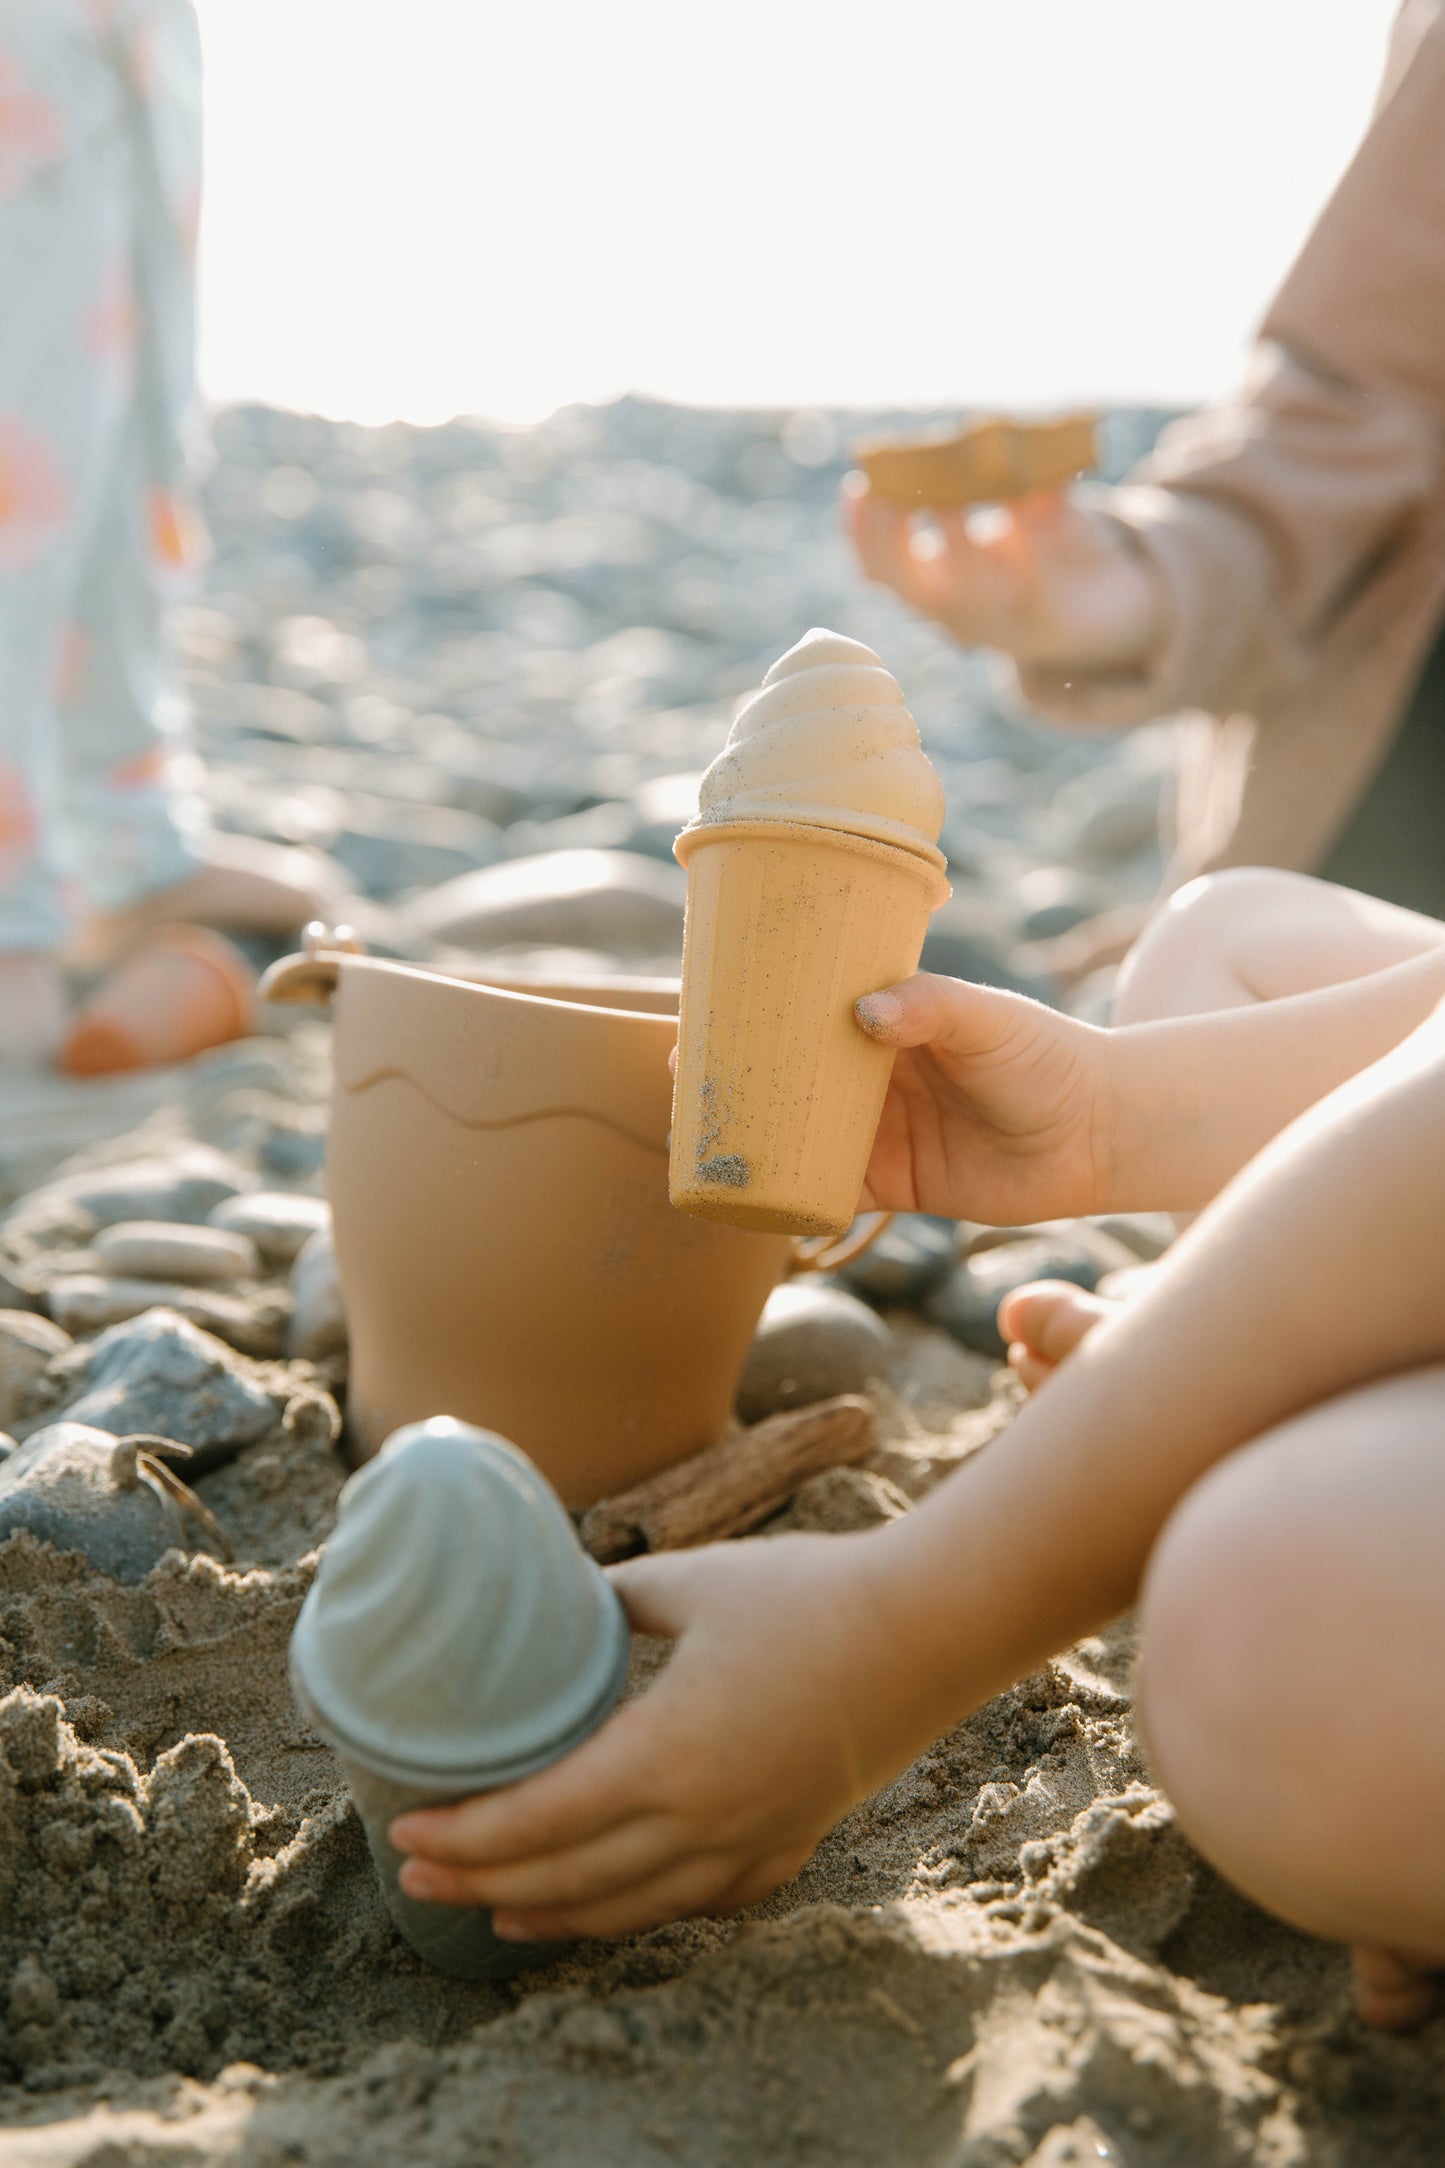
313 975
827 1253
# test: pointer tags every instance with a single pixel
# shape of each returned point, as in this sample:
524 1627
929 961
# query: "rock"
162 1374
28 1346
318 1319
387 846
902 1263
15 1294
615 900
185 1186
84 1490
967 1302
1053 900
158 1250
840 1500
813 1342
85 1302
278 1223
965 950
1147 1234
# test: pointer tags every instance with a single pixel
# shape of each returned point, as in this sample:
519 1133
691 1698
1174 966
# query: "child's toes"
1394 1992
1046 1321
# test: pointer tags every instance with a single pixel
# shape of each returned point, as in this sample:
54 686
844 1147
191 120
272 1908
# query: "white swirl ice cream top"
828 741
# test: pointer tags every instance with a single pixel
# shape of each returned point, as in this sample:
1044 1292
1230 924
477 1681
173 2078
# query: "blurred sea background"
664 263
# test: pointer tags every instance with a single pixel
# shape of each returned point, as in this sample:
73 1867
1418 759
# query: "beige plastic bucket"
497 1167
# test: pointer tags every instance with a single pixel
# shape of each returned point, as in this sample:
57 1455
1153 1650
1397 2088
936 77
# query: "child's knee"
1219 1696
1192 942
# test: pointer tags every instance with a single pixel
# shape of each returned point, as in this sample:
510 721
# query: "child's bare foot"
1394 1991
32 1008
1045 1321
245 886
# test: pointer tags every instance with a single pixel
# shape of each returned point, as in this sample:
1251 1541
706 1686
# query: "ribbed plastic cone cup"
456 1637
184 990
778 1092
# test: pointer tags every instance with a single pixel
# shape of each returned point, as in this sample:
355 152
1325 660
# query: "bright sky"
424 207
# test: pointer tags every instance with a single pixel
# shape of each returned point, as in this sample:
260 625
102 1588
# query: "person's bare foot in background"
245 886
32 1008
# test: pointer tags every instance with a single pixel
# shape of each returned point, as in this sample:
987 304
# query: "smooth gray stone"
86 1302
813 1341
161 1374
162 1250
581 898
28 1346
905 1261
82 1489
186 1186
1147 1234
966 1304
278 1222
318 1317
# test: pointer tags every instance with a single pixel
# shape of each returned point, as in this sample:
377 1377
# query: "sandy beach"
484 667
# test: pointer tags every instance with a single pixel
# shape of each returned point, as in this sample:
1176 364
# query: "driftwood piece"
731 1487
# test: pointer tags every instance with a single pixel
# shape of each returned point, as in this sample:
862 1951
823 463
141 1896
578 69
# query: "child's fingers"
578 1798
887 546
950 1015
1027 1368
635 1852
686 1887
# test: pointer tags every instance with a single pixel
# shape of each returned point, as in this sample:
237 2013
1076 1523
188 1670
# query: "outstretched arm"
809 1670
1003 1111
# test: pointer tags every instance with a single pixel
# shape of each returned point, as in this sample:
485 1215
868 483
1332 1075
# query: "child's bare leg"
1225 941
1292 1618
1255 933
32 1008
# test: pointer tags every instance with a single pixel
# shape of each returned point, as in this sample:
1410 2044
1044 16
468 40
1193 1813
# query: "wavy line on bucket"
393 1075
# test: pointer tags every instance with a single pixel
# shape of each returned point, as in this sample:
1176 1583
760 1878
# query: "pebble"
909 1257
84 1490
318 1319
28 1346
157 1250
185 1186
84 1302
813 1341
967 1302
1147 1234
839 1501
276 1221
618 900
163 1374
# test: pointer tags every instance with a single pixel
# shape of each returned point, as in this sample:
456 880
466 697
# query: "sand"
1010 1955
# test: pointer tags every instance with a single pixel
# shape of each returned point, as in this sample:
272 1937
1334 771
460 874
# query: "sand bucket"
497 1168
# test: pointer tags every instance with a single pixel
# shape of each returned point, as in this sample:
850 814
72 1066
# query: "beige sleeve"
1268 514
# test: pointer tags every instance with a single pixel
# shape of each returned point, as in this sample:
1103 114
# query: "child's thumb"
951 1014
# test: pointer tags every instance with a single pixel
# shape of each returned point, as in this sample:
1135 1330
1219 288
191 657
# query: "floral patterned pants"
99 193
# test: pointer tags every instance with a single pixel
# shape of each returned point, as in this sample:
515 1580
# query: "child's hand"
1044 579
781 1707
999 1109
